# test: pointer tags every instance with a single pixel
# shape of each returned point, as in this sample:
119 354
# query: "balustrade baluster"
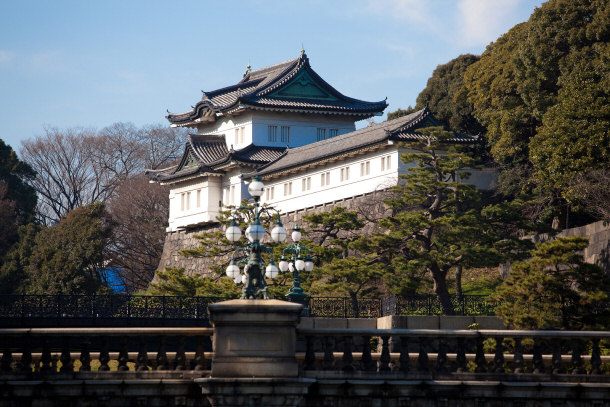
384 360
537 358
7 356
404 354
85 356
348 360
460 358
66 360
45 358
180 362
498 366
422 359
329 358
123 355
199 360
479 359
162 363
556 360
577 358
26 355
596 360
104 355
441 357
366 362
310 356
518 357
142 359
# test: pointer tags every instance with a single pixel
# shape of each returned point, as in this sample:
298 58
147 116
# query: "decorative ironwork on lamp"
254 270
296 264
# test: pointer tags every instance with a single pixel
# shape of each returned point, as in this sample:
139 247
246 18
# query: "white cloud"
412 11
482 21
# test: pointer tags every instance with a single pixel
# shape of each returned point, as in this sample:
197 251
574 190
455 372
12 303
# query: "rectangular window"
288 188
365 168
382 163
272 133
306 184
232 194
188 201
272 192
333 133
285 136
388 162
198 198
321 134
325 179
242 130
269 193
182 201
344 174
236 136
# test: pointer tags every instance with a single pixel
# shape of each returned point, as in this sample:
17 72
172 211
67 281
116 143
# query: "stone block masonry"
369 205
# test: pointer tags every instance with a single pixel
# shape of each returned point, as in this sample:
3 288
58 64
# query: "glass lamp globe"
278 233
271 271
256 187
244 279
308 264
296 234
237 279
283 265
255 231
233 232
232 270
299 264
291 267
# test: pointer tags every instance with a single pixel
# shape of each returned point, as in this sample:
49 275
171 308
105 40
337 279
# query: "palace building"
287 125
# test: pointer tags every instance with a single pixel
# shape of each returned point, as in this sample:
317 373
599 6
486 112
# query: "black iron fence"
166 308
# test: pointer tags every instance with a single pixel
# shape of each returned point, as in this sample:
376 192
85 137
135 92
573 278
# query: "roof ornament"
248 69
203 95
302 49
167 110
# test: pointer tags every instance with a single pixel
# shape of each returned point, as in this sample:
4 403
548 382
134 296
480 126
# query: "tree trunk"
458 281
440 289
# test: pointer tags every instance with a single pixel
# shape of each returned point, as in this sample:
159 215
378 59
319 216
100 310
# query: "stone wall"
369 205
598 233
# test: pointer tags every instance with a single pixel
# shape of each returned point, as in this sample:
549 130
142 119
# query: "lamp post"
295 264
254 270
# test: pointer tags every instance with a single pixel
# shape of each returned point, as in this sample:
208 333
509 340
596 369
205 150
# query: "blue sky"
93 63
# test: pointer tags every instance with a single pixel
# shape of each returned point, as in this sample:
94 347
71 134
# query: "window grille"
272 133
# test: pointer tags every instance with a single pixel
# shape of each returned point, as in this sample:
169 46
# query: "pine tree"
555 289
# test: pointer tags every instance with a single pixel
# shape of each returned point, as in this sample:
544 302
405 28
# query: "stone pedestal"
254 338
268 392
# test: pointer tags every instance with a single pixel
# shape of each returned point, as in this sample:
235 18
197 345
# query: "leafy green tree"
13 277
437 223
400 112
555 289
445 97
342 269
69 258
173 281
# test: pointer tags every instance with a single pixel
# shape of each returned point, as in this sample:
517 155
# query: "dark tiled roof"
400 129
257 90
209 152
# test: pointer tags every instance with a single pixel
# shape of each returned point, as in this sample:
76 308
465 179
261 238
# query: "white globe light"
244 279
284 266
278 233
237 279
232 271
299 264
255 232
256 187
233 232
296 234
308 265
271 271
291 267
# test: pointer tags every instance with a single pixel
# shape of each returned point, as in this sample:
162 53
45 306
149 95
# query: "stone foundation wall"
369 205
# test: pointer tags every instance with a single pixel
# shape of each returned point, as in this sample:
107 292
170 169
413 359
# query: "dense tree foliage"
542 90
555 289
174 281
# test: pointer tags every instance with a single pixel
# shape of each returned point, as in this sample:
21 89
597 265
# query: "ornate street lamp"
300 260
254 270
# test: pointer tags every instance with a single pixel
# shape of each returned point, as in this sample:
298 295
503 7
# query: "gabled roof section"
207 154
288 86
376 136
